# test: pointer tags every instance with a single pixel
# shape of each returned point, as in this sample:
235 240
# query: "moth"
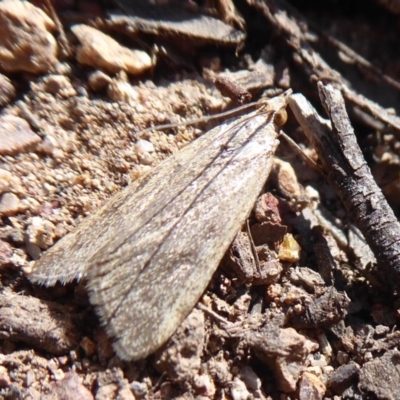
149 252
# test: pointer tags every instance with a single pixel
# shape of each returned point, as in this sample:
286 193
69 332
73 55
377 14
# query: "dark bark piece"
229 88
45 325
243 266
259 76
349 174
240 258
268 232
325 311
323 256
293 27
174 23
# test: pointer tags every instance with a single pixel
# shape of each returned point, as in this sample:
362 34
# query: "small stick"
253 248
347 171
224 114
229 88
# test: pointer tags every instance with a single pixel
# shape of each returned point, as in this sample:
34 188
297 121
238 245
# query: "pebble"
310 387
5 253
143 146
88 346
7 90
69 387
139 389
48 146
26 42
5 380
340 379
239 390
125 393
40 233
30 378
59 84
319 361
381 330
98 81
205 385
16 135
107 392
100 51
342 357
120 90
250 378
9 181
10 204
289 250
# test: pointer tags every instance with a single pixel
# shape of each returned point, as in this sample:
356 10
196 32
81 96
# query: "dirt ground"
299 307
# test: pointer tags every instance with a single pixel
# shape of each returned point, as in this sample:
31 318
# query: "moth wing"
125 213
147 280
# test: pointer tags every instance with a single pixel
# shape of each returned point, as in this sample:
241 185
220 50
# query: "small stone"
319 361
120 90
343 377
99 81
204 385
69 387
30 378
287 178
311 388
33 250
267 209
107 392
59 84
239 390
144 146
5 380
26 44
342 357
180 358
381 330
88 346
139 389
5 254
7 91
15 135
289 250
8 182
48 146
41 233
250 378
124 393
10 204
100 51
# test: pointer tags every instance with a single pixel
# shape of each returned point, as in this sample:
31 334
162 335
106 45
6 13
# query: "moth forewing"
150 251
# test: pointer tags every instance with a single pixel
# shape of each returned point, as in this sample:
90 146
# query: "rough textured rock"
100 51
26 42
7 90
381 376
15 135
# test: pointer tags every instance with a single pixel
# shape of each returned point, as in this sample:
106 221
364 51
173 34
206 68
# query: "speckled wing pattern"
149 253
